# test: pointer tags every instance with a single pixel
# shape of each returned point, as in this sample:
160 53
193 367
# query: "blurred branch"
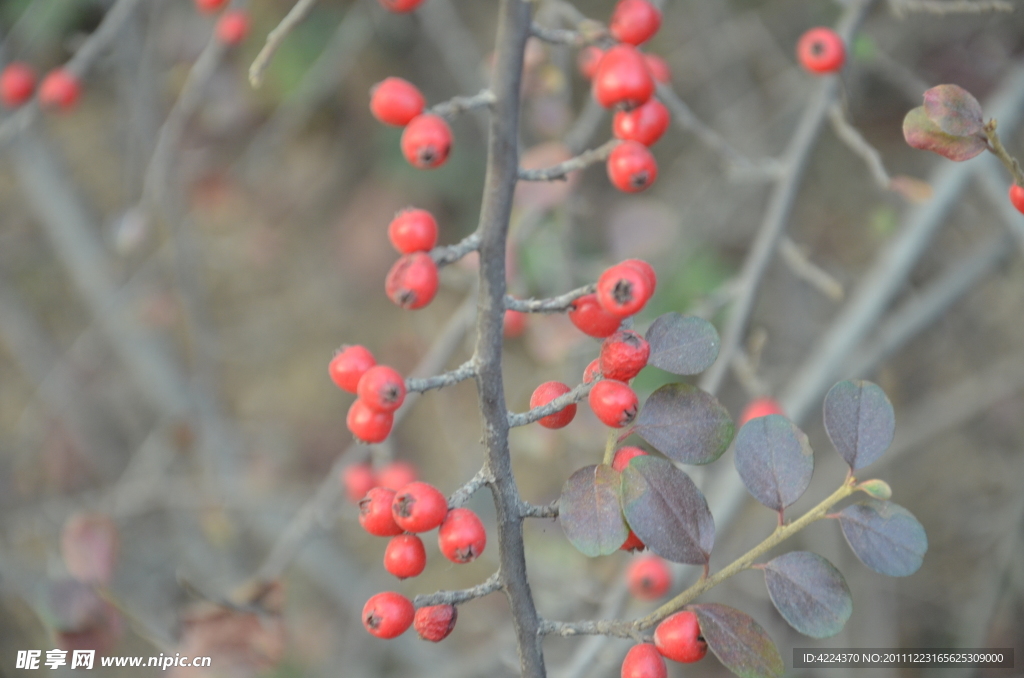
856 142
942 7
461 104
466 370
612 607
562 169
558 304
492 584
807 270
585 126
556 405
295 15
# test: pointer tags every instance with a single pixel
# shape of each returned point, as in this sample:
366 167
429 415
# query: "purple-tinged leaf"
921 133
738 641
667 511
590 512
860 421
685 424
954 110
774 460
682 344
809 593
885 536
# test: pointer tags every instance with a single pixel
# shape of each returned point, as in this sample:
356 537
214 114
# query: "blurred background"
165 325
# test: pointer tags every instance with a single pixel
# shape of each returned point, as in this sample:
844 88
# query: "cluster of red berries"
59 90
427 138
677 638
232 27
381 391
821 50
413 279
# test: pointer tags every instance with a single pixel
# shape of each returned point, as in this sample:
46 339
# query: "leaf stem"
609 446
995 145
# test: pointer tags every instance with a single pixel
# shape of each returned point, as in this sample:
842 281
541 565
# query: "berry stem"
562 169
995 145
466 370
556 405
492 584
551 305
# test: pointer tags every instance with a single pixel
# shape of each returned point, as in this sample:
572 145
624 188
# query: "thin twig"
856 142
463 494
492 584
528 510
562 169
943 7
466 370
556 405
557 304
460 104
449 254
807 270
585 126
275 37
557 36
996 147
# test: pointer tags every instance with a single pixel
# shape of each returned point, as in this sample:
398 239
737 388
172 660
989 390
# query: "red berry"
348 365
388 614
634 21
210 6
593 371
382 388
614 402
233 27
591 319
631 167
368 424
678 638
59 90
648 577
543 395
622 78
821 50
357 480
435 622
1017 197
375 513
17 82
623 355
647 270
400 5
644 124
632 543
643 661
588 60
405 556
412 281
623 290
419 507
514 323
397 475
426 141
462 536
658 67
759 407
413 230
624 455
395 101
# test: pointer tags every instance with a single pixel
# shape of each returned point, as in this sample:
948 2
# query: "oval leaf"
685 424
954 110
738 641
920 132
860 421
774 460
885 536
667 511
682 344
809 593
590 512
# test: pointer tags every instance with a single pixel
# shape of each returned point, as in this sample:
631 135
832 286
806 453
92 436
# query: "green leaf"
590 512
922 133
774 460
954 110
738 641
685 424
885 536
682 344
860 421
809 593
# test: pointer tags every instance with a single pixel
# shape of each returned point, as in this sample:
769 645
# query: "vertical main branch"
499 185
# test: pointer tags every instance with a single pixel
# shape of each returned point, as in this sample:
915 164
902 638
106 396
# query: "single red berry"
647 270
634 21
233 27
368 424
397 475
622 78
644 124
435 622
623 290
419 507
624 455
412 281
382 388
1017 197
395 101
623 355
632 543
658 67
375 513
388 614
462 536
405 556
210 6
59 90
543 395
821 50
593 371
678 638
17 82
514 323
588 60
614 402
348 365
357 480
426 141
760 407
413 230
632 167
400 5
643 661
648 577
591 319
